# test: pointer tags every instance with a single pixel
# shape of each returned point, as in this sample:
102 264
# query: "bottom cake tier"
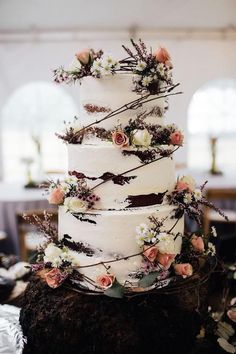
109 238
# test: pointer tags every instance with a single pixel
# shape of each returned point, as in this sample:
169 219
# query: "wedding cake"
121 208
120 220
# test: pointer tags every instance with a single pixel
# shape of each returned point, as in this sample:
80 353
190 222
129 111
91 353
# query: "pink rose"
120 139
162 56
184 269
181 186
56 196
150 252
84 56
55 278
232 314
165 259
176 138
197 243
105 281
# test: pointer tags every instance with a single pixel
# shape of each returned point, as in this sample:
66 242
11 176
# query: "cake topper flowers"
152 71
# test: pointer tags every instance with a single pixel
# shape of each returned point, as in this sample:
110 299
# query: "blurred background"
38 36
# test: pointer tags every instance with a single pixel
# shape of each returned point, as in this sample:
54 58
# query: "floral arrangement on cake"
188 198
72 192
152 71
136 134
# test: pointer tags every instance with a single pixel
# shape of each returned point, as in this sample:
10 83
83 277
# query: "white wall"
195 62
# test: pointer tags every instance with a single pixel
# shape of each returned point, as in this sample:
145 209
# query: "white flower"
72 180
198 194
147 80
224 344
144 234
141 66
211 248
65 187
161 68
213 231
75 205
187 198
96 67
141 137
106 69
75 65
70 256
56 262
52 253
142 229
166 243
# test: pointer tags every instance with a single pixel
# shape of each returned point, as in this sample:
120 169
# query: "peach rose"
55 278
184 269
84 56
177 138
232 314
197 243
150 252
186 183
56 196
120 139
105 281
162 56
165 259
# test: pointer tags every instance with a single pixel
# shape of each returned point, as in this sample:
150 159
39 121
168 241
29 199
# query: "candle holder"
214 169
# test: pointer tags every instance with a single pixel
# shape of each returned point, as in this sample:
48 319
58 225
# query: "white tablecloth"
14 198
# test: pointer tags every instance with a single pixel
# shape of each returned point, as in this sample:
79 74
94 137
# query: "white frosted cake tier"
94 161
112 92
113 236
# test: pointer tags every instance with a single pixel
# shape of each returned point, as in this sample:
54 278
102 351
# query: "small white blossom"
166 243
141 66
72 180
106 69
211 249
56 262
213 231
187 198
65 187
197 194
147 80
144 234
161 69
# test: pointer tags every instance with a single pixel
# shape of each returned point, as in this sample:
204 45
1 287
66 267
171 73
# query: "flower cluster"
152 72
158 247
188 198
145 135
58 257
73 193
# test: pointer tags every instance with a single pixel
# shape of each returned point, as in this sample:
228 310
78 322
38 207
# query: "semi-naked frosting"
113 236
112 92
95 160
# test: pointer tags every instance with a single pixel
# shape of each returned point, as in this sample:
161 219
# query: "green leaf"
148 280
117 290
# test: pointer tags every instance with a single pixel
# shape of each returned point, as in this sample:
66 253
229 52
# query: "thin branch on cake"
136 168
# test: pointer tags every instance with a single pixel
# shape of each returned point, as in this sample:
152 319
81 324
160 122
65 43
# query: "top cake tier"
100 97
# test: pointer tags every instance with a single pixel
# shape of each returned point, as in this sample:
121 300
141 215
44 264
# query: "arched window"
212 114
30 118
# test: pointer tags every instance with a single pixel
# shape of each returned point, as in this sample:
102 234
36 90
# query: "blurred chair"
225 199
30 238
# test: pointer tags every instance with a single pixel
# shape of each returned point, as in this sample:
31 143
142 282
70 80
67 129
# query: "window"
212 114
30 119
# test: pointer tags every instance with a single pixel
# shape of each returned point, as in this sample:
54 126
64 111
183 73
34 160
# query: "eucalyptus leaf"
148 280
117 290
